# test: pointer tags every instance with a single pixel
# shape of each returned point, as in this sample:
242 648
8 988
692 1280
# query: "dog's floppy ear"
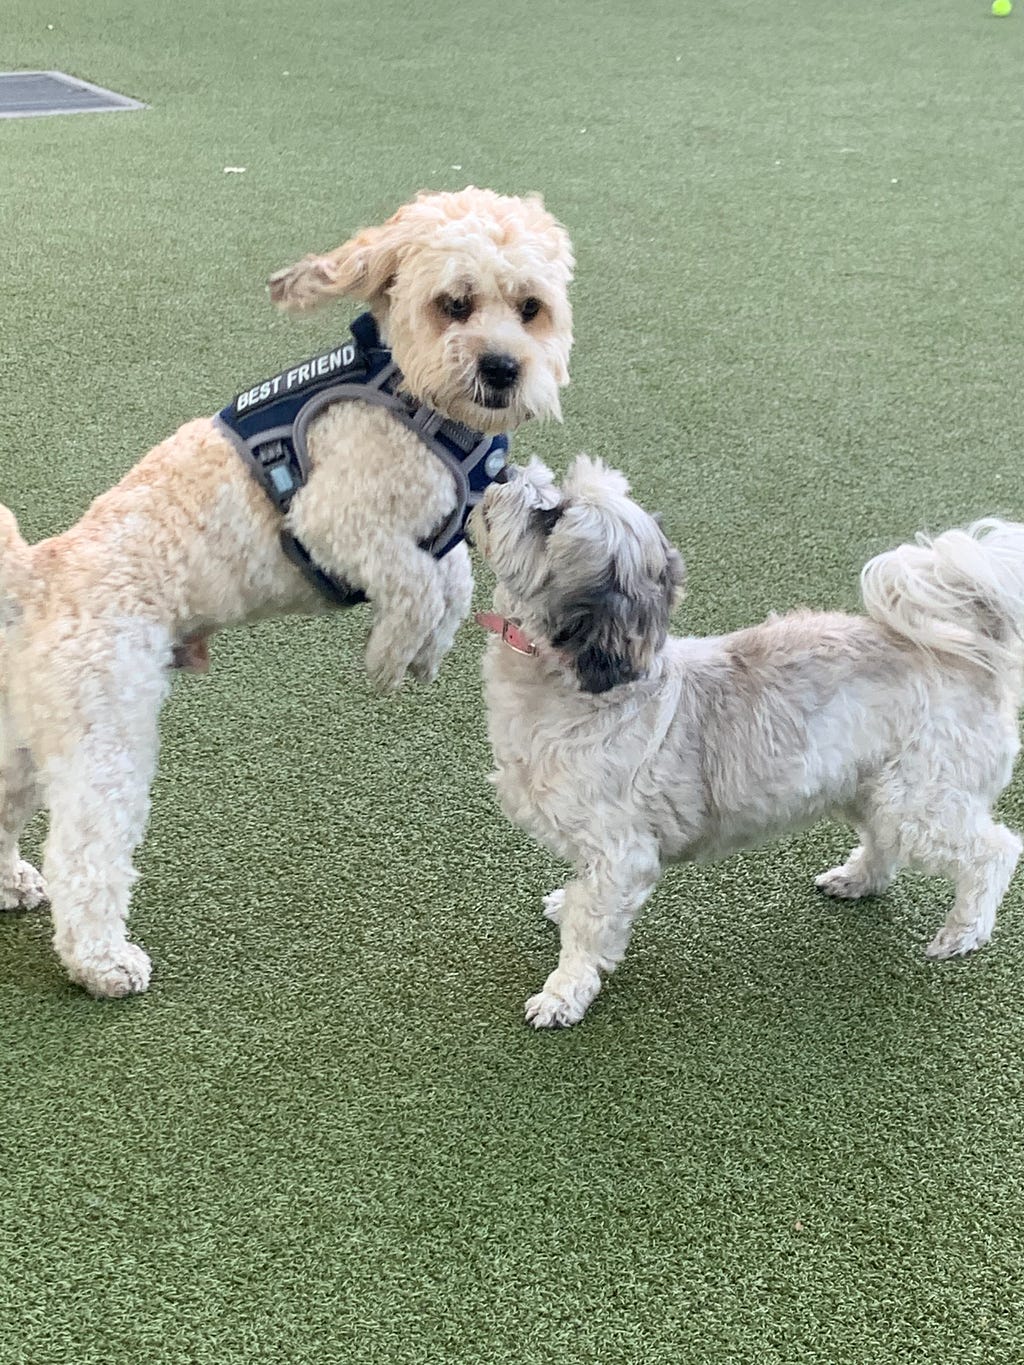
362 267
592 629
612 634
675 575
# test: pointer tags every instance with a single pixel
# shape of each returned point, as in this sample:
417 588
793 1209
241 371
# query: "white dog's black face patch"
612 632
598 628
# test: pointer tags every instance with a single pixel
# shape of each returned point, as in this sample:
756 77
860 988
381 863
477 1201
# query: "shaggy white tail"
961 593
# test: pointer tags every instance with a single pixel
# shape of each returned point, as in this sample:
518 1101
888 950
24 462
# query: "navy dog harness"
267 425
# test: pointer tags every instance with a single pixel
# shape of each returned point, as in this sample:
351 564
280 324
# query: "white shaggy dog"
469 290
620 748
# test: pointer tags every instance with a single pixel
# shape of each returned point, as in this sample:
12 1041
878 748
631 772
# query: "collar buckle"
512 635
511 632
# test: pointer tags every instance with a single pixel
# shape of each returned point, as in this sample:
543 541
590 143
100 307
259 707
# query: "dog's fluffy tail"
14 557
961 593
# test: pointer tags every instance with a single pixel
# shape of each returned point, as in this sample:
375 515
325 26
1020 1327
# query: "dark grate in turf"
31 94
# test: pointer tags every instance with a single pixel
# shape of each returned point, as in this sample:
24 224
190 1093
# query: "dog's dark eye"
529 308
456 309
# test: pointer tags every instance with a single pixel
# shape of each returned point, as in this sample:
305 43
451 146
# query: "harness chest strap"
268 423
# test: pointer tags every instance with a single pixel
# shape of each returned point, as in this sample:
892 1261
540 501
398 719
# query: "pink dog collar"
511 634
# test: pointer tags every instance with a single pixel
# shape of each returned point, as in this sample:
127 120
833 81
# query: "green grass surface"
325 1134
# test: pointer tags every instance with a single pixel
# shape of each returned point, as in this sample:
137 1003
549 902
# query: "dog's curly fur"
620 748
92 620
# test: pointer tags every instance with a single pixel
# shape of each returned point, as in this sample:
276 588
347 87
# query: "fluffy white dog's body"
620 749
470 292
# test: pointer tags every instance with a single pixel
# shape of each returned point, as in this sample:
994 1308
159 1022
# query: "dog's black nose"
498 371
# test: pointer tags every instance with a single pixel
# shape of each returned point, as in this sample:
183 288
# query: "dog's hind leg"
21 886
981 864
595 921
868 871
872 866
98 793
99 802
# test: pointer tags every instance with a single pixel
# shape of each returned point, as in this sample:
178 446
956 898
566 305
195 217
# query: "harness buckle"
276 465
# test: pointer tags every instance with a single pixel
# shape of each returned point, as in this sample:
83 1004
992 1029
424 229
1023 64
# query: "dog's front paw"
432 653
953 940
427 664
384 675
23 888
563 1001
544 1010
123 970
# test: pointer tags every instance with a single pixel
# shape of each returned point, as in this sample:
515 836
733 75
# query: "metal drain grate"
32 94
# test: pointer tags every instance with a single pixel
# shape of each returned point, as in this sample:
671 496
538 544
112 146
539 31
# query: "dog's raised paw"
425 667
124 971
383 675
23 889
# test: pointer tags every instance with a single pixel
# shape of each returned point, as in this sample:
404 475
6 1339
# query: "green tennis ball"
1001 8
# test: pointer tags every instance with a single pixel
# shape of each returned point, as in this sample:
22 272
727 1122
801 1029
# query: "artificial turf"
325 1135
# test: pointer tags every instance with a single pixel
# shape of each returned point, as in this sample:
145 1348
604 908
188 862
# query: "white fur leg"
21 886
98 796
88 863
987 864
597 914
408 606
456 578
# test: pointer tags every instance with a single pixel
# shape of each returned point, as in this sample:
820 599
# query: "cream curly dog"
470 293
621 748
